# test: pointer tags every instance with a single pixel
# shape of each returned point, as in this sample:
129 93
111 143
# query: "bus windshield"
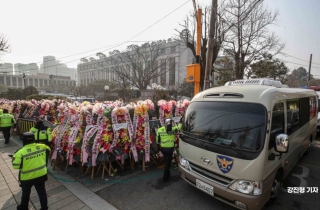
239 126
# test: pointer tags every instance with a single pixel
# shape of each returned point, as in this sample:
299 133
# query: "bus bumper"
224 194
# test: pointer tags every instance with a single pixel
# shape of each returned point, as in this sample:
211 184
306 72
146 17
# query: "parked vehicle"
81 99
240 141
318 122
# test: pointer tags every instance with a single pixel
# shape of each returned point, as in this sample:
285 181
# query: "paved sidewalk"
61 195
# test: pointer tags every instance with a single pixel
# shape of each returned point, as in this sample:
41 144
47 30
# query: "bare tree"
188 35
249 38
224 68
84 60
137 66
4 45
101 55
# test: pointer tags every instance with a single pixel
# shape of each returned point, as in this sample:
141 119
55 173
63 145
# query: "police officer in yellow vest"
6 122
166 138
31 160
42 133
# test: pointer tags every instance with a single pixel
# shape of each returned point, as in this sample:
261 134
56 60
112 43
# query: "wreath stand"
55 161
107 166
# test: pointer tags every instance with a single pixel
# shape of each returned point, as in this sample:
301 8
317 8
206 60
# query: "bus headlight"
247 187
184 162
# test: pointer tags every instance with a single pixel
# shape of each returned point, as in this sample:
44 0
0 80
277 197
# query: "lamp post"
106 88
24 80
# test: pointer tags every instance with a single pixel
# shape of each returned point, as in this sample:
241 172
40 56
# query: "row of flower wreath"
106 134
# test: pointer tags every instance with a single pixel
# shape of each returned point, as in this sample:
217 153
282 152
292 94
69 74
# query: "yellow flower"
78 139
105 137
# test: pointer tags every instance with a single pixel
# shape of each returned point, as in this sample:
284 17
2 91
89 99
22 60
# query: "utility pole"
212 27
308 79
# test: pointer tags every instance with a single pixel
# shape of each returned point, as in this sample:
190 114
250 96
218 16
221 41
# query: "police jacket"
7 120
31 160
166 139
42 135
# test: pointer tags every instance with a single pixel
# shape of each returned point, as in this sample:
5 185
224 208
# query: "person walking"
166 139
31 161
42 133
6 122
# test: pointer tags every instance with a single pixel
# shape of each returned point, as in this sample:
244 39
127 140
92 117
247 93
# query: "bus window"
277 124
313 107
293 121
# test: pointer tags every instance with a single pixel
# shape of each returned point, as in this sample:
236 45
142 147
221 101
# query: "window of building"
45 82
2 79
107 74
162 51
172 71
41 82
112 74
173 49
8 81
14 81
155 72
163 73
35 82
20 82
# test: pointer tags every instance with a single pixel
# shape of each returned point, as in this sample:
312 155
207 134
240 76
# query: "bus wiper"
193 136
234 149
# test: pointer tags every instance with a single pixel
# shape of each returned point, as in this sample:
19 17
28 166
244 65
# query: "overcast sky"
66 28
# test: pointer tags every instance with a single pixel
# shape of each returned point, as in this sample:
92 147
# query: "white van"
240 141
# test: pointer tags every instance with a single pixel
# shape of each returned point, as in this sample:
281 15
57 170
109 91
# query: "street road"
145 191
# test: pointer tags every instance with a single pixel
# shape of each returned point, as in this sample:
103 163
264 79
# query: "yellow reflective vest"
31 160
42 136
6 120
167 139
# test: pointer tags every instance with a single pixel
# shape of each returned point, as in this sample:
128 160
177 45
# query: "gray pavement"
64 195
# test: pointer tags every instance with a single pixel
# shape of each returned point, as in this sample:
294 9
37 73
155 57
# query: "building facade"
52 66
175 54
27 69
39 80
6 68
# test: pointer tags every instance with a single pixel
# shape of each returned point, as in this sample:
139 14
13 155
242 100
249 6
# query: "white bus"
81 99
240 141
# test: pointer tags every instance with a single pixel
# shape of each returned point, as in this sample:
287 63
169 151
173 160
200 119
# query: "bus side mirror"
282 143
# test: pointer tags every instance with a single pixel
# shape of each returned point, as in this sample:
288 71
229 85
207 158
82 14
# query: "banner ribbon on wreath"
89 132
61 130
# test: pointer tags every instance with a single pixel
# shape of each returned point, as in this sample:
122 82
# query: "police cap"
28 137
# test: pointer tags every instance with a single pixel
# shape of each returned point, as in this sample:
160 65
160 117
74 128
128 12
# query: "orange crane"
193 70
